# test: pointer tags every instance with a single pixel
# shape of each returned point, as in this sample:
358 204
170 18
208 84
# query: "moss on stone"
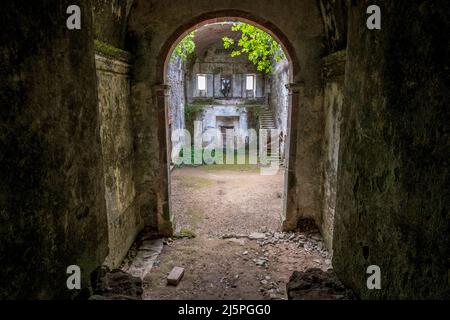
336 56
185 233
110 51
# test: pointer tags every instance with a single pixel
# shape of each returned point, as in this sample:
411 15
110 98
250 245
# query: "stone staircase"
267 122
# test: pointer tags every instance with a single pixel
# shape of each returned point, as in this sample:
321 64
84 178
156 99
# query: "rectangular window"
201 82
250 82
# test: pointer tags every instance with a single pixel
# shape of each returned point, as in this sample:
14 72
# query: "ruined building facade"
84 141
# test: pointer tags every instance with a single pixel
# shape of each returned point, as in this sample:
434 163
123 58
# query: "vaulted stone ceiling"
212 34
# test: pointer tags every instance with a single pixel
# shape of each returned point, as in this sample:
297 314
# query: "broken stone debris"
314 284
175 276
115 285
146 258
256 236
309 240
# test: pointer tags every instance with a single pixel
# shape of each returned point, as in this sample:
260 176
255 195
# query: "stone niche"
124 221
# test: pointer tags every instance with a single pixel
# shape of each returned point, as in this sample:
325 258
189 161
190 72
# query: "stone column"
291 204
164 218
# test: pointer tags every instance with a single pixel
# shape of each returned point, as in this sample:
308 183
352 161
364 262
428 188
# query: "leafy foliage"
261 48
190 113
185 47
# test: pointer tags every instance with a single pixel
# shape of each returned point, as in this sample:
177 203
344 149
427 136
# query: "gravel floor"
233 204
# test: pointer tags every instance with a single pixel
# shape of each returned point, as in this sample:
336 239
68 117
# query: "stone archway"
154 40
223 16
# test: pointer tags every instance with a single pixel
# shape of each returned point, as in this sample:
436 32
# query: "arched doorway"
156 40
209 32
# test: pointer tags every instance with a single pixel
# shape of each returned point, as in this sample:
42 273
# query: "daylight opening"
228 108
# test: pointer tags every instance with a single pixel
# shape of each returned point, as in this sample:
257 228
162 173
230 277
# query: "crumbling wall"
393 177
215 62
52 205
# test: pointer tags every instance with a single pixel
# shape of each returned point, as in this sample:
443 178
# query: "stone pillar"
164 219
291 204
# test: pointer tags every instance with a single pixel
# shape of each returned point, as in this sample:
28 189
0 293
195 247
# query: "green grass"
195 182
185 233
240 157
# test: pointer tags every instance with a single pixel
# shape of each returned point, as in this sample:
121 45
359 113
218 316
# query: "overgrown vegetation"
184 233
190 113
185 48
260 47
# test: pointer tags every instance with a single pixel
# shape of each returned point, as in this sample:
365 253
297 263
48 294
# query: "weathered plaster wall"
177 100
279 98
110 21
333 73
210 113
334 15
156 25
52 205
393 178
124 221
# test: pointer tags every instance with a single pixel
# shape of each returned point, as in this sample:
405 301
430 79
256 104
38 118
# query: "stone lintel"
111 65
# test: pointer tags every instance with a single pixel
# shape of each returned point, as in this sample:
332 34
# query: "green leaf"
185 48
259 45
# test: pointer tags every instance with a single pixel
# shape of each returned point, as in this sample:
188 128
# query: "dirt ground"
214 203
